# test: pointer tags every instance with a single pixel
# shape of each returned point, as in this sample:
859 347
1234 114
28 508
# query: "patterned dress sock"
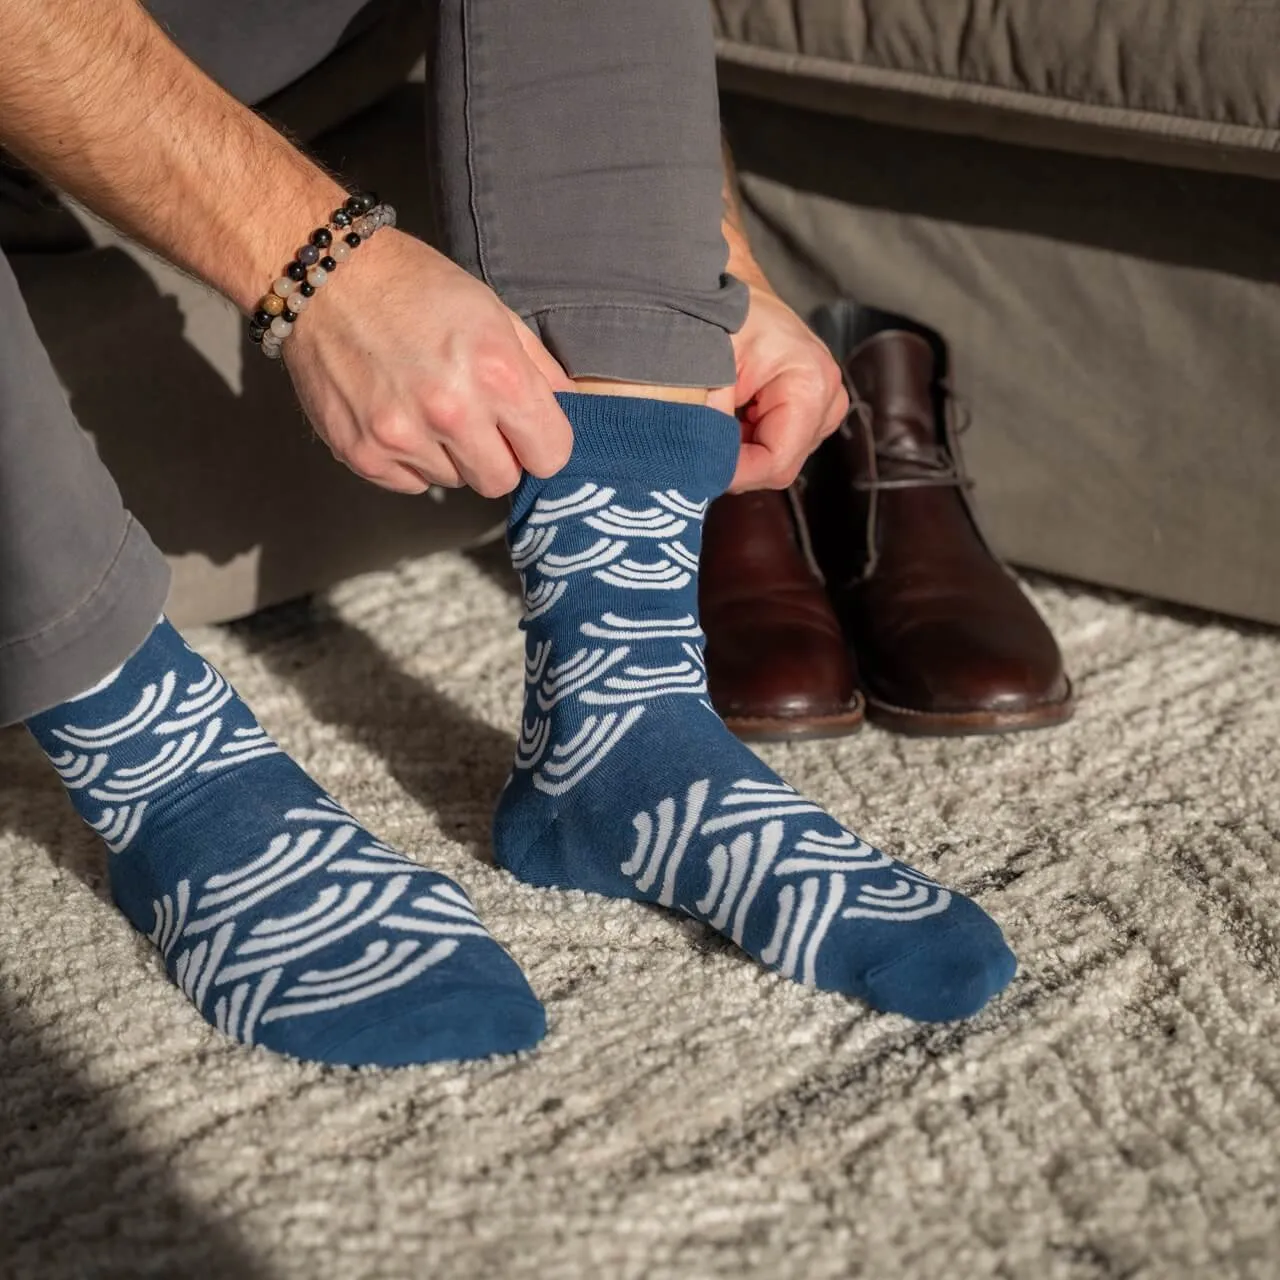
282 919
627 783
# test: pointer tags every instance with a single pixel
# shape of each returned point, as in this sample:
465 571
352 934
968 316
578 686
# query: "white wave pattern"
280 967
765 848
802 878
594 534
570 762
594 694
613 627
591 497
174 729
670 572
648 522
575 674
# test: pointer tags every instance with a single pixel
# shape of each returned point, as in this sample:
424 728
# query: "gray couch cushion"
1185 82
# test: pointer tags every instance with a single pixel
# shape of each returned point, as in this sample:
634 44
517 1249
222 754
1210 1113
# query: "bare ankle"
651 391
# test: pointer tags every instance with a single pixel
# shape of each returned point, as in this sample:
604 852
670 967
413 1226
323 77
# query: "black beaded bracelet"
326 249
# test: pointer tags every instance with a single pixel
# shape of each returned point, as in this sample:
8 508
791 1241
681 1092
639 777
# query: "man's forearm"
742 262
97 99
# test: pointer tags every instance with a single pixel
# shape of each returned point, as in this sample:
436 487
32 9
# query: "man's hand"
789 395
414 373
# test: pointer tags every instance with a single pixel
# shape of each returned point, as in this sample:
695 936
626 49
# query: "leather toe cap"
969 664
778 672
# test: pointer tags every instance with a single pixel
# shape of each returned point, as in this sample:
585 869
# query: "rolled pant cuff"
70 655
633 344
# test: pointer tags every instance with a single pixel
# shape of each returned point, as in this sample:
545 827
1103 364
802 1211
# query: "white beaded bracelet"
327 248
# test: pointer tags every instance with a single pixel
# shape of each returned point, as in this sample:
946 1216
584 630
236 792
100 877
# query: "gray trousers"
575 163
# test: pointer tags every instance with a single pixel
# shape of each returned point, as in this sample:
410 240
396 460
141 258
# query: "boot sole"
955 724
799 728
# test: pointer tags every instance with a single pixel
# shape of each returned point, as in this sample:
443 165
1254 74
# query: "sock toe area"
952 974
464 1024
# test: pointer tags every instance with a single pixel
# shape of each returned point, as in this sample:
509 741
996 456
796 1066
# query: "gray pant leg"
81 583
577 165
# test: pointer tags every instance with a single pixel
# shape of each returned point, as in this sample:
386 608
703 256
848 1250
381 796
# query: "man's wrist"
268 241
742 263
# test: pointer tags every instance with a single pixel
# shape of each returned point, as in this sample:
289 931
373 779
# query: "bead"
262 318
297 303
308 255
273 304
363 227
352 239
256 332
339 252
317 276
284 287
296 271
306 289
329 264
341 218
322 237
388 216
281 327
271 347
360 203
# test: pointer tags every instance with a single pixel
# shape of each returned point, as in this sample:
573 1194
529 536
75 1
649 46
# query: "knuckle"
785 476
394 432
816 386
498 480
492 486
551 460
365 458
448 414
496 375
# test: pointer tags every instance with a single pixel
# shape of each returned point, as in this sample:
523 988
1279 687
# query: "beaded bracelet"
326 249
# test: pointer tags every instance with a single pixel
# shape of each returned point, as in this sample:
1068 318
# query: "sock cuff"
654 443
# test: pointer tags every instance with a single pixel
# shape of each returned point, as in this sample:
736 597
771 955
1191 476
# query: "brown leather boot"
944 640
777 666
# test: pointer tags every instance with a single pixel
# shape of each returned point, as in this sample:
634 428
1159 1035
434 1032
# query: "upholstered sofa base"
1114 329
1113 325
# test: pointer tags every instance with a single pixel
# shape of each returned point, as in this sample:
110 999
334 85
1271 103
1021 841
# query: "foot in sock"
627 783
283 920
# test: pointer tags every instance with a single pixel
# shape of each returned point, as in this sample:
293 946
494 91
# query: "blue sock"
627 783
282 919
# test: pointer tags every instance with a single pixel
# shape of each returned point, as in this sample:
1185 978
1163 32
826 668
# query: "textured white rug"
1115 1114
